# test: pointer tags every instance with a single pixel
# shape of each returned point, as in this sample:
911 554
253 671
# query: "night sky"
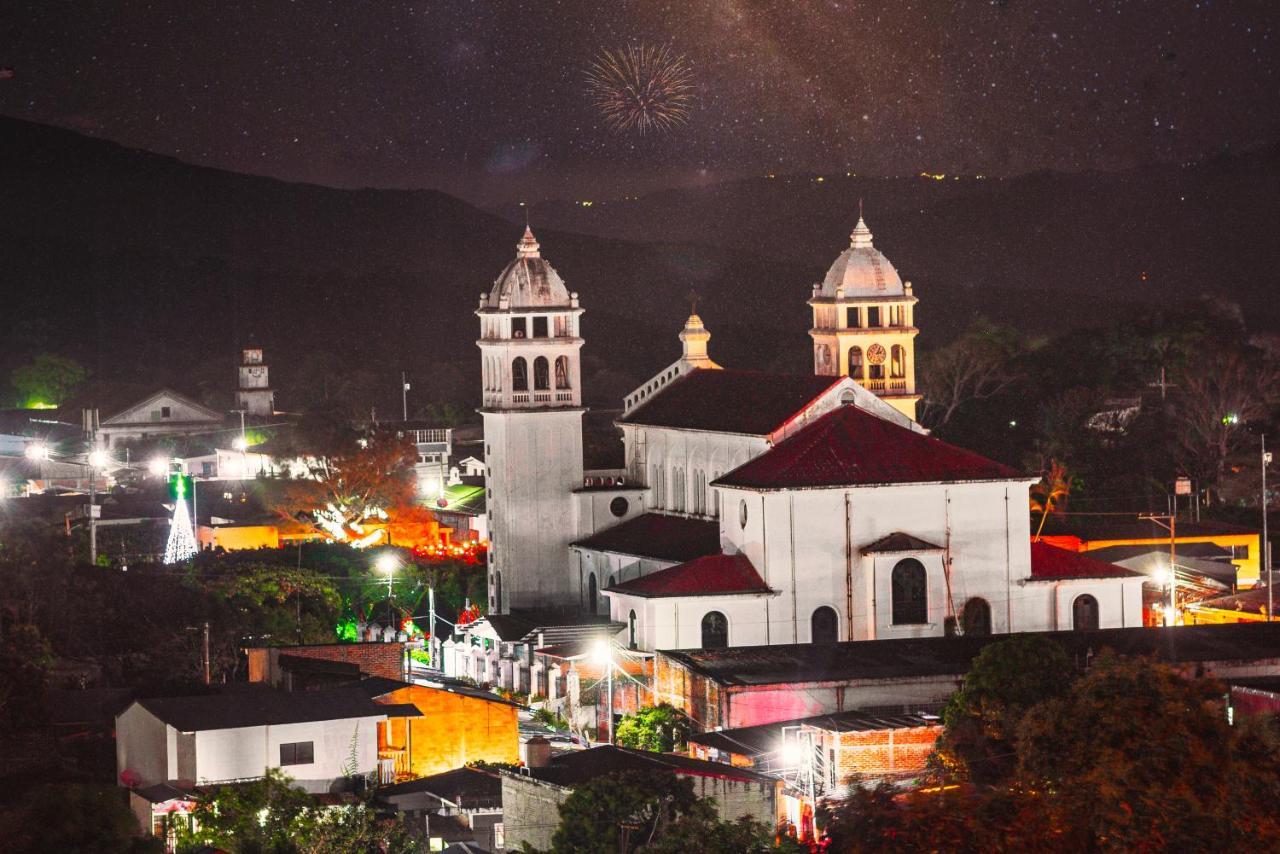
488 99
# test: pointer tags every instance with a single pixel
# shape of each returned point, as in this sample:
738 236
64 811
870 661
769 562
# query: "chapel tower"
254 395
529 346
864 324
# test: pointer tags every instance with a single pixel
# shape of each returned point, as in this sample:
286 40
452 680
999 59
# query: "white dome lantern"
528 281
861 270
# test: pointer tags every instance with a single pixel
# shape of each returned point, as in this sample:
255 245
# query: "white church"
758 508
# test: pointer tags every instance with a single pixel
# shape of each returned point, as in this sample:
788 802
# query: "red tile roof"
713 575
751 402
1050 563
851 447
658 536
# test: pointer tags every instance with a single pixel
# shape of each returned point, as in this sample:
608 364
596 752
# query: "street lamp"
99 459
388 563
158 466
36 451
604 655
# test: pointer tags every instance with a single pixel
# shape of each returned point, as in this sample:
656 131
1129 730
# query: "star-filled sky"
487 99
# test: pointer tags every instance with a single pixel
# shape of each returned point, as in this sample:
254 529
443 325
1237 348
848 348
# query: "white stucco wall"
231 754
676 623
662 448
807 545
534 462
142 745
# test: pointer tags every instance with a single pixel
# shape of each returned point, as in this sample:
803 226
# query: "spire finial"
860 238
528 245
693 298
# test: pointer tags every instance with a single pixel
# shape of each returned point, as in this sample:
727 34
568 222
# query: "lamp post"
388 563
604 655
1266 543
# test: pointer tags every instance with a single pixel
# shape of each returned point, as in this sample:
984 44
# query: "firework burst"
643 88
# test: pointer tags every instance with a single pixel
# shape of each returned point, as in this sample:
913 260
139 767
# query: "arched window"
631 630
519 374
497 592
898 361
1084 614
592 593
824 626
855 362
562 372
541 378
910 585
715 631
975 617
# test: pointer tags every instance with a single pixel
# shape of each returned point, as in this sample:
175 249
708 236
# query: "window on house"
165 412
1084 614
592 593
562 326
898 362
540 327
519 374
297 753
497 591
855 362
562 372
541 376
824 626
873 315
519 329
715 630
975 617
875 372
910 589
853 318
631 630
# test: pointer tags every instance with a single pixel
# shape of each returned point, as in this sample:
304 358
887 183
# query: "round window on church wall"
742 512
619 506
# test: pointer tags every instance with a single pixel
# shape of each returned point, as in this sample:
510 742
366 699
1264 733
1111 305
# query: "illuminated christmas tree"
182 538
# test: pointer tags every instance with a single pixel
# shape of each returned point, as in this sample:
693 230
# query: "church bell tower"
864 323
529 346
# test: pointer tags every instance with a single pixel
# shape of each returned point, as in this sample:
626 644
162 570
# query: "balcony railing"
393 765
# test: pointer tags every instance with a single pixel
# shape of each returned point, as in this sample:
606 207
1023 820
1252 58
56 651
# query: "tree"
354 487
1051 493
976 366
24 675
1140 758
270 816
48 380
1217 399
660 728
74 818
644 804
982 719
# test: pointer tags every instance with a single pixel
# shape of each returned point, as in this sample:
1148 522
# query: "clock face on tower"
875 354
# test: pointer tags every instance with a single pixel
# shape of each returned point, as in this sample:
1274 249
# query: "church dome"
861 270
529 281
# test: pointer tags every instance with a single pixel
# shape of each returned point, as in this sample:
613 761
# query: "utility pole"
91 433
609 682
1170 523
207 678
431 632
404 394
1266 543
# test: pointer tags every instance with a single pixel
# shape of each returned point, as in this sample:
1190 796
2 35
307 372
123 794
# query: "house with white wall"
318 738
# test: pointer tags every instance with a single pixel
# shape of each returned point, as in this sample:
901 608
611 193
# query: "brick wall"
884 752
373 659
